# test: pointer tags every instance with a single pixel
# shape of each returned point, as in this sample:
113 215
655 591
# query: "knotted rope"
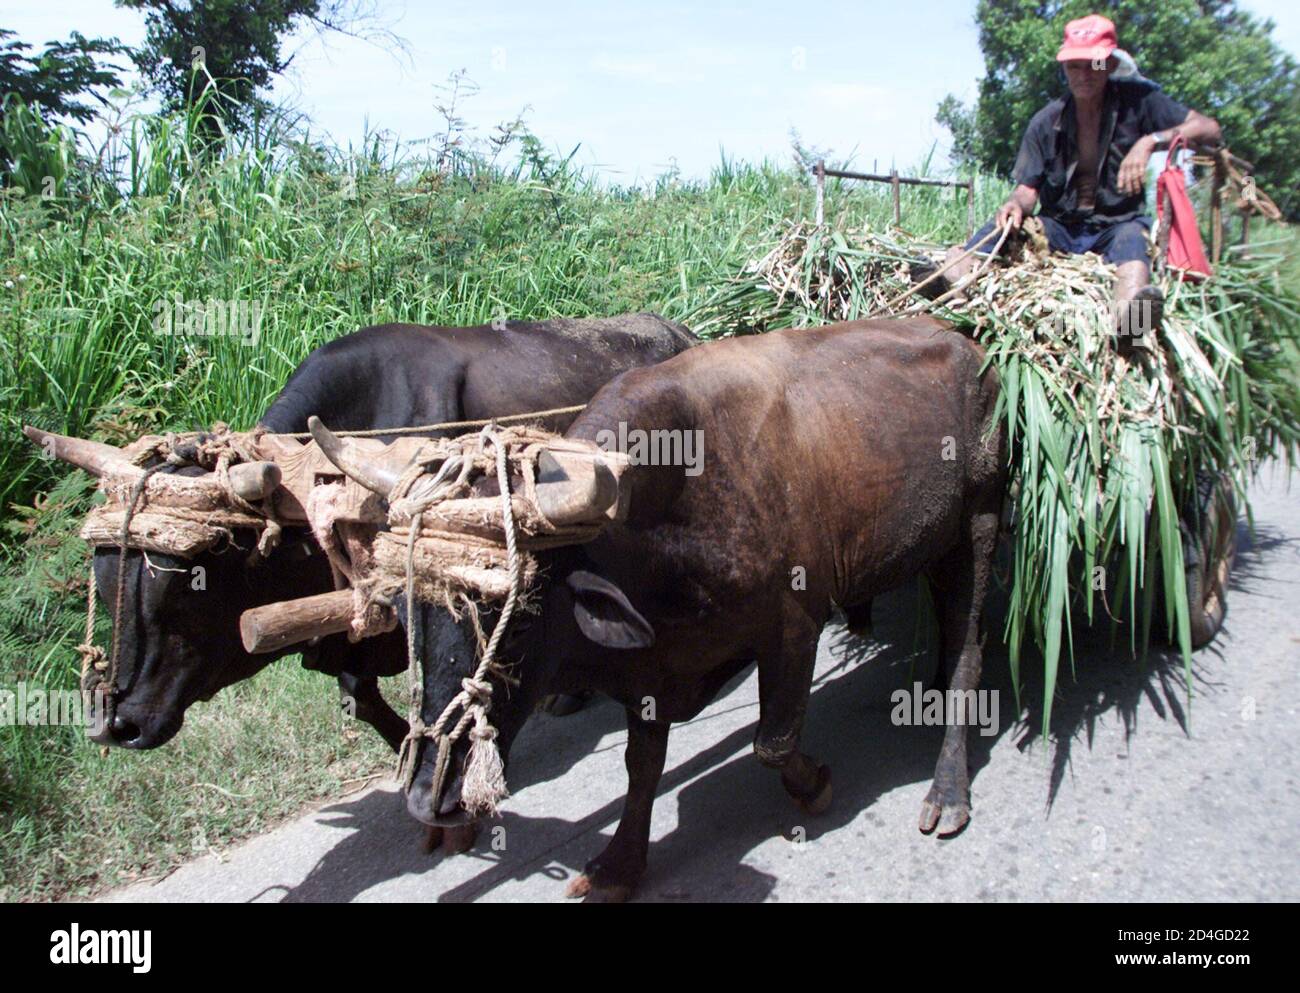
98 670
484 784
216 451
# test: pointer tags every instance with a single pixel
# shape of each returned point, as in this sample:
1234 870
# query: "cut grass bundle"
1106 449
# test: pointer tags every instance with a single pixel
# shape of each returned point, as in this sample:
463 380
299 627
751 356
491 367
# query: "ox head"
574 614
178 633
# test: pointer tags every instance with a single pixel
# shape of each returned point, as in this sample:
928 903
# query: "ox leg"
960 584
613 874
360 697
784 682
857 618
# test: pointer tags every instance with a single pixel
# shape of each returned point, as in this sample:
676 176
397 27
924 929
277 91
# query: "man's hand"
1010 214
1133 170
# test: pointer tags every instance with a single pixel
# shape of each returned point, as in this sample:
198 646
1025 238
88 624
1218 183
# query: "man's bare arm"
1196 129
1019 206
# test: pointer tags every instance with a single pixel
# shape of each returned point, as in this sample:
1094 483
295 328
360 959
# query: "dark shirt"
1049 153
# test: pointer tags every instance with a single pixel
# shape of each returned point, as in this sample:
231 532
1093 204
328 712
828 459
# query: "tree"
1208 54
238 43
35 90
59 79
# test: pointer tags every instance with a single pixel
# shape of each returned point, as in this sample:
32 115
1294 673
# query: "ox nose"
119 731
446 811
140 733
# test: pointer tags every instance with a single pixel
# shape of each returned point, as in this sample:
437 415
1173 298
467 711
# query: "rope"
889 305
98 671
92 656
273 530
484 781
446 425
973 277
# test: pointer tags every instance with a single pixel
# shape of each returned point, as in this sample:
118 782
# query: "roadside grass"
256 754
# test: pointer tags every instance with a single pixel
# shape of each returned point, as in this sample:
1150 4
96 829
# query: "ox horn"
93 456
254 480
571 490
372 474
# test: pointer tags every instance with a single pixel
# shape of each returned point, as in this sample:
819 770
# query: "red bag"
1185 252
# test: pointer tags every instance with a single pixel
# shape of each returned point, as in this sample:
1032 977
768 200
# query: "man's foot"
1138 322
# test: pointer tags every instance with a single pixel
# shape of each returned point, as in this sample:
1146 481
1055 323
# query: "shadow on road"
728 804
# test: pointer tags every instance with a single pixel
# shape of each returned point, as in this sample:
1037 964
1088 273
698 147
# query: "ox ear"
604 614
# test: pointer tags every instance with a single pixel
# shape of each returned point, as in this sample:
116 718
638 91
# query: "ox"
839 463
178 645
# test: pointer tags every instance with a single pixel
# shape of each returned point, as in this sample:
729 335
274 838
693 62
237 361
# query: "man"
1083 161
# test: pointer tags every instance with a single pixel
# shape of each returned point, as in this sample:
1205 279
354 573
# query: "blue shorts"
1122 242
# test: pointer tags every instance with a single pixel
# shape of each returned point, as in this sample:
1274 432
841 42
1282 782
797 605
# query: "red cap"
1092 37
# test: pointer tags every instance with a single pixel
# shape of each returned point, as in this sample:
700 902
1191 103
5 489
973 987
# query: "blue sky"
641 86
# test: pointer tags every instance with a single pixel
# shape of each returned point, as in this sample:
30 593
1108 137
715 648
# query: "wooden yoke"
304 466
289 622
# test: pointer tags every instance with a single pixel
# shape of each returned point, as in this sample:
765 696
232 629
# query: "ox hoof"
451 840
948 818
819 801
590 889
432 840
582 887
459 839
579 886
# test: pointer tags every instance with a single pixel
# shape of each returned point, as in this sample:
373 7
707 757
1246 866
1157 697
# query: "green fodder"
1104 450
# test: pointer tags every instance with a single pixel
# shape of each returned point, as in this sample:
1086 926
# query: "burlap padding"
461 546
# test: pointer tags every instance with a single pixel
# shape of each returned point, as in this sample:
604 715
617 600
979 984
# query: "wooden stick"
820 173
276 625
1216 211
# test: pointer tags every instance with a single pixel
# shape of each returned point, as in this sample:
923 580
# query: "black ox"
179 645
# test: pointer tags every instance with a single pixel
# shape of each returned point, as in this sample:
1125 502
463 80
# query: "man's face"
1087 77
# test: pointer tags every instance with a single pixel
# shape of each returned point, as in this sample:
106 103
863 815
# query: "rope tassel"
485 778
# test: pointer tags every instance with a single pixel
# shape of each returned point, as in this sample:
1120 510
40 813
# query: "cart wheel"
1209 549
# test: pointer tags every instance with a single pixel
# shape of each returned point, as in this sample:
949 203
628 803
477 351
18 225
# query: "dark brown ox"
838 463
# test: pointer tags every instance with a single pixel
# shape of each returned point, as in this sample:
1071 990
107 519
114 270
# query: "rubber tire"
1207 569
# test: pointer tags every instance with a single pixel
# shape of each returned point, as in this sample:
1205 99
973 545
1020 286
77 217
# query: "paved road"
1135 797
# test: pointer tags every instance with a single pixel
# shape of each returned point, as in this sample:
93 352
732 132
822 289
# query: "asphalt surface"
1135 797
